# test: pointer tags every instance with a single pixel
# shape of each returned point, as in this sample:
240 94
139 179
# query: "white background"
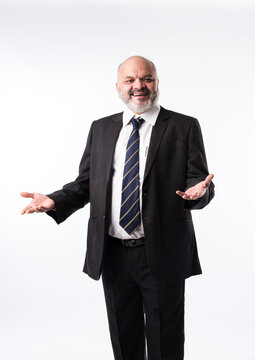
58 72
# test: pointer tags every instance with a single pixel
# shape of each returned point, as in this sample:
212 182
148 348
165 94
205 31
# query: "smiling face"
137 84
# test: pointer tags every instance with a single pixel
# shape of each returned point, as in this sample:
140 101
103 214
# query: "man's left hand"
196 191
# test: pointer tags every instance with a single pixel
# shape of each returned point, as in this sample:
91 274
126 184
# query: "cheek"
126 89
153 88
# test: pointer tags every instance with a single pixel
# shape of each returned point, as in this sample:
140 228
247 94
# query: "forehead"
136 68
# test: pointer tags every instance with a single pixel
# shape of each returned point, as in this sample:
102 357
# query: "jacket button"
144 194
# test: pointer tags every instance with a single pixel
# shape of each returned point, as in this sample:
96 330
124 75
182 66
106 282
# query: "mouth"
139 94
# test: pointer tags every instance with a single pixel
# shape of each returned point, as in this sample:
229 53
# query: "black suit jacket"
176 160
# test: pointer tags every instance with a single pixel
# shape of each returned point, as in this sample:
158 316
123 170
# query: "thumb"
27 195
208 180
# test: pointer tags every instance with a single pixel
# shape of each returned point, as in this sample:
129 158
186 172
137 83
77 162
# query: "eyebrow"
131 77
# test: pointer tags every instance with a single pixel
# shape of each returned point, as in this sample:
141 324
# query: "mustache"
144 91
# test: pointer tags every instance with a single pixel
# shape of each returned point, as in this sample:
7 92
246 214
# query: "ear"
118 88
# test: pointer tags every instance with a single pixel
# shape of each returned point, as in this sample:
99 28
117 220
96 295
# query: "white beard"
139 108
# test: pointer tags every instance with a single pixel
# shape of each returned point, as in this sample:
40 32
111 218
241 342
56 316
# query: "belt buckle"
133 243
129 243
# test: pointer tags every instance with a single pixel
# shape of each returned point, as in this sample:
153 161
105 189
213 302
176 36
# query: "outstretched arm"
199 189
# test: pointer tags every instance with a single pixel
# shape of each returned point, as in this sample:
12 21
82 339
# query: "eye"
148 79
129 81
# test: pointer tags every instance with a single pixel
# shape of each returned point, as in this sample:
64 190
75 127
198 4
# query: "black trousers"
141 308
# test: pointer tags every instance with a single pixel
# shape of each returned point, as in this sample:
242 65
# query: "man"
140 231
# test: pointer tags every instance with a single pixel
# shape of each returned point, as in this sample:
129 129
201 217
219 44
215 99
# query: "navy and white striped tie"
130 218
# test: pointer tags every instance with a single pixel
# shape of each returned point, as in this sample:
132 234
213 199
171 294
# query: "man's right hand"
40 203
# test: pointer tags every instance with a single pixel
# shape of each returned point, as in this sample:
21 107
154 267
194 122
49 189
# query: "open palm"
197 191
39 203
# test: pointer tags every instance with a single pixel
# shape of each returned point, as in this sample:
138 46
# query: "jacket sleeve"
197 169
73 195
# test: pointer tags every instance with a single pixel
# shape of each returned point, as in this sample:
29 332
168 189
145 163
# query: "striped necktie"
130 218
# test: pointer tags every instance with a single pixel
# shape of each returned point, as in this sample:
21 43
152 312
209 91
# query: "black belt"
133 242
130 242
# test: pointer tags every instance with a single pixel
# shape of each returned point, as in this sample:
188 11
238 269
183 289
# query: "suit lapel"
111 134
156 136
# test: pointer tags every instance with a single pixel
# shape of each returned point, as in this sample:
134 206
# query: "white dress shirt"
150 118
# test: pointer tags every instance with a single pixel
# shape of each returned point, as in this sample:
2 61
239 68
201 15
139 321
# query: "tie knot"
137 122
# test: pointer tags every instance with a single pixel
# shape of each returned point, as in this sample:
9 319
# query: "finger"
194 197
27 195
197 196
31 210
181 193
208 180
25 210
186 197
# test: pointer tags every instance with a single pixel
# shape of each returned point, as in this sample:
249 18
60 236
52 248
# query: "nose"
138 84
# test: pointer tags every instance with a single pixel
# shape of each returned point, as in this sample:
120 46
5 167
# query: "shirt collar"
150 116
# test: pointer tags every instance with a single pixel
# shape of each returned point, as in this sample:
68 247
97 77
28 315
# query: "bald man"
142 172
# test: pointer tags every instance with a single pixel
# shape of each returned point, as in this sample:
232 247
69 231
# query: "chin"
140 108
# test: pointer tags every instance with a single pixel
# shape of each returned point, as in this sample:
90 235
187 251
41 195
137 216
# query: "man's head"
137 84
